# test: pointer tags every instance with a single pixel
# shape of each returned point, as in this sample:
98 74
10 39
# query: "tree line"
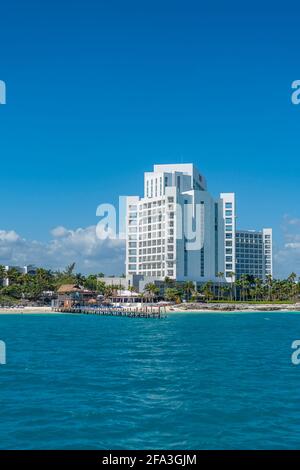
35 287
15 286
246 288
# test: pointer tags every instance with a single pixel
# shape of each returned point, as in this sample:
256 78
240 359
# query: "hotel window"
229 235
133 222
228 220
228 205
228 213
228 228
151 188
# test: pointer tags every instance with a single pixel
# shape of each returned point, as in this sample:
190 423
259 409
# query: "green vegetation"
39 286
246 289
254 290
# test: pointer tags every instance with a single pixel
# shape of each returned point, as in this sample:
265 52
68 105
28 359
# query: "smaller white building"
30 269
254 253
131 280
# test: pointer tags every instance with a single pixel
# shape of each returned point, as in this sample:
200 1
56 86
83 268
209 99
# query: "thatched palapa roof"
68 288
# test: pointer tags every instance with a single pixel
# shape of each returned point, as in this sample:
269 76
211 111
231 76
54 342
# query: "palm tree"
172 294
269 284
220 277
14 276
168 281
244 284
101 287
90 282
239 288
292 285
207 290
131 289
108 292
257 287
142 297
151 290
231 274
189 289
80 279
69 270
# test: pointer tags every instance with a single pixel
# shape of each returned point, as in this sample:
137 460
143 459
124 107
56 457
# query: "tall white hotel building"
178 230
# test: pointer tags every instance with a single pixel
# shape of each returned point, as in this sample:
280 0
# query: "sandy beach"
182 308
25 310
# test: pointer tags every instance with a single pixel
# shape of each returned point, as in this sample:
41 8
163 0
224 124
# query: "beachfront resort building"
254 253
178 230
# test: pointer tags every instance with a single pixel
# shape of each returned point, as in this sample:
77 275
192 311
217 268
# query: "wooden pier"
147 312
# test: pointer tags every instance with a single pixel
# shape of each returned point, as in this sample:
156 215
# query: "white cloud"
59 231
82 246
8 236
287 256
293 246
293 221
94 254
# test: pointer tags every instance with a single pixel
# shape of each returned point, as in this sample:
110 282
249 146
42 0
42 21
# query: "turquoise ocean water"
191 381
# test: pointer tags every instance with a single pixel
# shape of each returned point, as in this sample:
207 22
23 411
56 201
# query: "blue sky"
98 91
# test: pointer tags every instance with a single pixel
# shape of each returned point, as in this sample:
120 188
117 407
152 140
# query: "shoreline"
234 308
169 310
180 309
